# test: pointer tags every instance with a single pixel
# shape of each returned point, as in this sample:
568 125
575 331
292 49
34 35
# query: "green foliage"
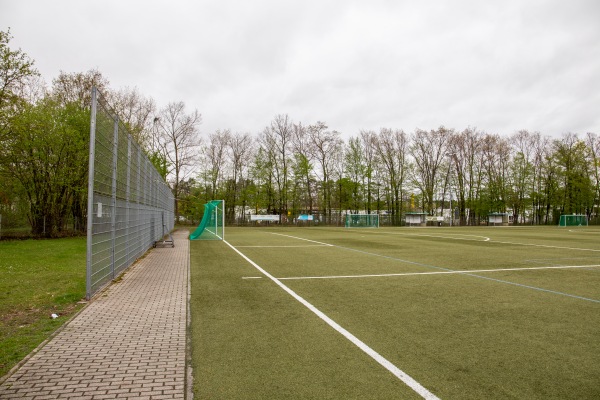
160 162
577 192
356 172
15 68
47 155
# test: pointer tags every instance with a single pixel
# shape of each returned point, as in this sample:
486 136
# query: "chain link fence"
130 207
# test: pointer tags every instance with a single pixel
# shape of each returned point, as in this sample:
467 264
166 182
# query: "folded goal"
212 226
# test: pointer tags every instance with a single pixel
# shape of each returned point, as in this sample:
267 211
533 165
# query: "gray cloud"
500 66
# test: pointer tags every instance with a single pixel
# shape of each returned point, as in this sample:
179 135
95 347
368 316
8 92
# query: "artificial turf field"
334 313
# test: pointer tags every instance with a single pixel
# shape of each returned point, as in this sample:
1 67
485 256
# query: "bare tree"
179 140
277 140
303 163
137 113
540 155
241 146
216 156
370 159
496 159
76 88
325 145
391 149
593 142
467 171
429 150
522 173
354 160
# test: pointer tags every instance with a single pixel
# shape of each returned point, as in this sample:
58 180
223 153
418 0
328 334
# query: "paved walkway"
129 342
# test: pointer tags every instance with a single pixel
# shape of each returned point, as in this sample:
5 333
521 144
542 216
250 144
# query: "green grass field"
467 313
38 278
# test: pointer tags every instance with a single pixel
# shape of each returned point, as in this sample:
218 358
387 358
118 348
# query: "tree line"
44 141
289 168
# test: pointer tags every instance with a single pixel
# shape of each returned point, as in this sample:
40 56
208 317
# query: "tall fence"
130 206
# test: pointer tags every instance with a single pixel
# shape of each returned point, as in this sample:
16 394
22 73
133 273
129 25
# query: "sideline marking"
403 376
437 272
304 245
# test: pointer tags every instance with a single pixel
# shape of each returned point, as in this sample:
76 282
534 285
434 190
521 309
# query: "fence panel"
127 199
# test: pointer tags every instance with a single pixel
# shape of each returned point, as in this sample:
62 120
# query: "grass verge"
38 278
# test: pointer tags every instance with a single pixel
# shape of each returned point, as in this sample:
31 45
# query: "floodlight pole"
451 155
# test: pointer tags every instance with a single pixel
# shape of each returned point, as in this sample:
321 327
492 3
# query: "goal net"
212 226
573 220
362 221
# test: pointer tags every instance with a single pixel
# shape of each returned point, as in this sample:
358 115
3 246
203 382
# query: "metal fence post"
113 217
90 205
127 203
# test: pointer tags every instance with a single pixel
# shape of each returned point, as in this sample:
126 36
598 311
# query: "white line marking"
455 237
466 273
403 376
487 239
299 238
251 277
544 245
304 245
436 272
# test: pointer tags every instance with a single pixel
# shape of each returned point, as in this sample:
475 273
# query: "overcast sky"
499 66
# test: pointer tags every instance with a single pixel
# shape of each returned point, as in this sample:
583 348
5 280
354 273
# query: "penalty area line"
403 376
464 272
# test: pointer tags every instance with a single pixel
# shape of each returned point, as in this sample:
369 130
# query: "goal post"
212 226
573 220
362 221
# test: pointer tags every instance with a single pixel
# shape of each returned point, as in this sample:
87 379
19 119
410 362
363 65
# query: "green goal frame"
362 221
212 226
573 220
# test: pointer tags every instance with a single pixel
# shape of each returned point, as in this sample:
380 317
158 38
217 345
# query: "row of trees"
289 168
44 141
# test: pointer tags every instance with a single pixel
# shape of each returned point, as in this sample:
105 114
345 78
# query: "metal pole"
90 205
451 210
450 181
127 202
113 217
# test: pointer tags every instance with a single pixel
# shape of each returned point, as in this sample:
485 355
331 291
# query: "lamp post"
451 155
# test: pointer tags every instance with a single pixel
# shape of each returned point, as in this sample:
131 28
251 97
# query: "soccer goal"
362 221
212 226
573 220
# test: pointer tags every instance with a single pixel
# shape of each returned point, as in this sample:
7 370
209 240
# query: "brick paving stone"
129 342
